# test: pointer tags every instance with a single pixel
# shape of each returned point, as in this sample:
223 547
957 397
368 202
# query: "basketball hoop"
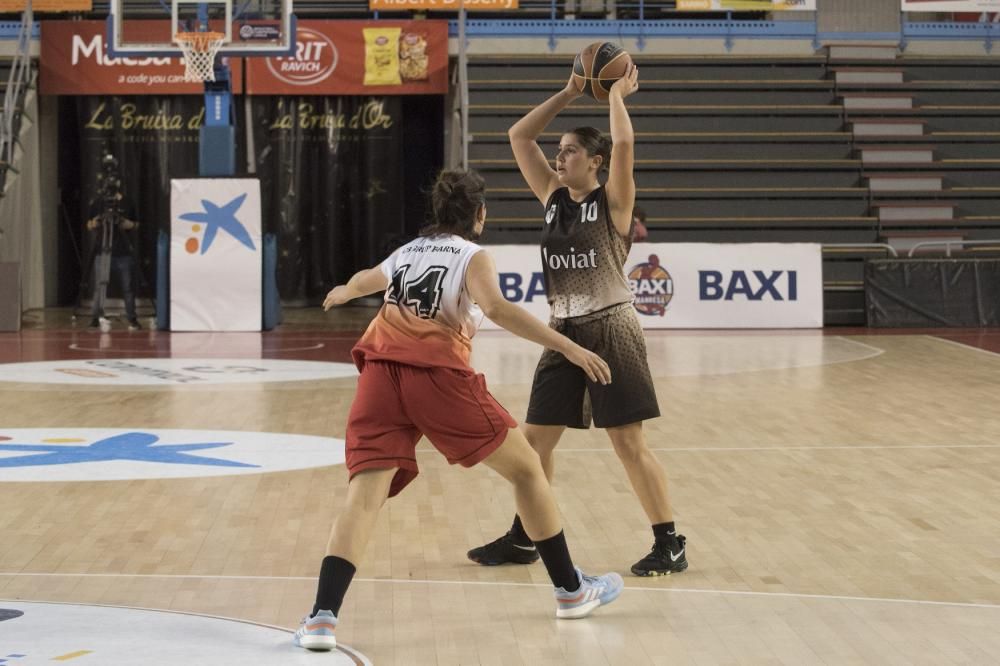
200 49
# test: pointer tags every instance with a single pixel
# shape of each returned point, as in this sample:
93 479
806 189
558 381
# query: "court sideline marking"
729 449
746 593
962 345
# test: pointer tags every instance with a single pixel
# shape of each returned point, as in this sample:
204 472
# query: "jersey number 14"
422 294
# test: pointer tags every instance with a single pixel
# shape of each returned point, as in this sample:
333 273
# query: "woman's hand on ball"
628 84
572 89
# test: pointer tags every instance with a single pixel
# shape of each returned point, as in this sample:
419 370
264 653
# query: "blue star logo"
221 217
136 446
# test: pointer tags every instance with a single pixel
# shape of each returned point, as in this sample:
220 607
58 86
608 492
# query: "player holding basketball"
416 380
585 242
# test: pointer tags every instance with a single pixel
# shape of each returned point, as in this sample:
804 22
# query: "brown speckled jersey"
583 256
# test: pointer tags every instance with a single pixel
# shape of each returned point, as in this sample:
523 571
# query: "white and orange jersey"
428 317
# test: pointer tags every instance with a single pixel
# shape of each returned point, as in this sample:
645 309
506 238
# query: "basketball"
597 67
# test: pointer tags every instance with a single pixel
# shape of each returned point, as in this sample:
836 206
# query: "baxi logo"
749 285
315 59
652 287
215 218
106 454
514 290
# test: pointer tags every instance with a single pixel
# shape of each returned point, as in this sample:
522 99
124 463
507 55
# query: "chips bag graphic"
382 56
413 61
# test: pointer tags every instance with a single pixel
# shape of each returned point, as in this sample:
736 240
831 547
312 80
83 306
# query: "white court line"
20 337
152 610
962 345
76 347
694 449
712 449
409 581
872 353
359 658
877 350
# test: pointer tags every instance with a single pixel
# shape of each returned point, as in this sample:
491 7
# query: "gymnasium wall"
858 16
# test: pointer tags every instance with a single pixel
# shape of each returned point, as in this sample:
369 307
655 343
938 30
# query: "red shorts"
396 404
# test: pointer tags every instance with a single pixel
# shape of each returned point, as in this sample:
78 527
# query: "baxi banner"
74 61
215 254
694 285
358 58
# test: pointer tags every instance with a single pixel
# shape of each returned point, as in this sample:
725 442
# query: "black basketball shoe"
504 551
668 556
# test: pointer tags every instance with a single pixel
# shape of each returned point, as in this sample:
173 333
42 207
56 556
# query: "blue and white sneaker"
316 632
594 591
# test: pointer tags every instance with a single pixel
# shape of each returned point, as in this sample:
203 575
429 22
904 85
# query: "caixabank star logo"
115 454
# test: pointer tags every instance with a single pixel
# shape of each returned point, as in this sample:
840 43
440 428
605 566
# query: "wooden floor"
840 495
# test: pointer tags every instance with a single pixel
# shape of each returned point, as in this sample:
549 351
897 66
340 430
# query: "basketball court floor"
167 500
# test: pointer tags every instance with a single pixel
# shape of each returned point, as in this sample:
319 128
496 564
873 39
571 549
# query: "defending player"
416 380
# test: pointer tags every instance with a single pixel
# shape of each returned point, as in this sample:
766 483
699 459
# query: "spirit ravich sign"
358 58
442 5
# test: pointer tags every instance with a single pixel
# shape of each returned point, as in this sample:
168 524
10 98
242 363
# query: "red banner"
332 58
75 61
358 58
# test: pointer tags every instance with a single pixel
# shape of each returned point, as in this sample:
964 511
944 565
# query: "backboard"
252 27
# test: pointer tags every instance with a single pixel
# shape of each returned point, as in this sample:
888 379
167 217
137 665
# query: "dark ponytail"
455 200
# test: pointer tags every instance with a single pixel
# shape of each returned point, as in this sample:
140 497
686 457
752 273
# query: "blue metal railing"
20 78
987 32
12 30
655 18
727 29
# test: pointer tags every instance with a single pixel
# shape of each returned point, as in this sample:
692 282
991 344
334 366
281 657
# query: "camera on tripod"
109 188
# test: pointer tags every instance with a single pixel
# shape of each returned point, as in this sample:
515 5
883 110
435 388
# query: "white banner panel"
951 5
695 285
215 254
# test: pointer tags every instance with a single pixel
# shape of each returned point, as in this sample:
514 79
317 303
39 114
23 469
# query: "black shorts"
561 394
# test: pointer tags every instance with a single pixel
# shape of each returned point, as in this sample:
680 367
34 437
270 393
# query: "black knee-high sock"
334 578
518 534
555 555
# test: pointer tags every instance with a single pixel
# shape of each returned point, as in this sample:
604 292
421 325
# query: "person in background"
639 231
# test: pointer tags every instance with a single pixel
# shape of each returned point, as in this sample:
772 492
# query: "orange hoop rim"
199 41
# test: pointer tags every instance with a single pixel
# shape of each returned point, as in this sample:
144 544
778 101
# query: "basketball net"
200 49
